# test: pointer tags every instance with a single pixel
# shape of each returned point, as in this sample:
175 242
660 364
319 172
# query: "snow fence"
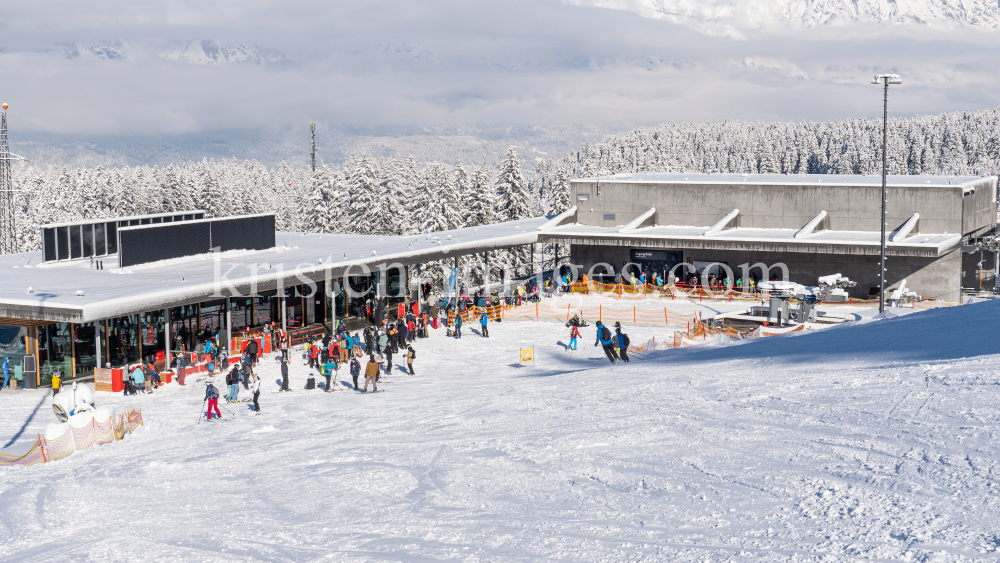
81 431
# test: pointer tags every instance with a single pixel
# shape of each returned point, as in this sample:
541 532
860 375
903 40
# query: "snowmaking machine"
77 399
780 293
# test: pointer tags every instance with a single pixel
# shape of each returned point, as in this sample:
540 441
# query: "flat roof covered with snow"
787 179
77 292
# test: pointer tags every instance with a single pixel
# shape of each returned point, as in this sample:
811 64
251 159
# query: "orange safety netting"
36 454
134 420
104 432
83 437
61 446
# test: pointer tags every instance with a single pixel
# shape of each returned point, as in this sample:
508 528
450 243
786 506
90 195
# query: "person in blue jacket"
604 338
327 371
621 342
355 371
482 323
5 366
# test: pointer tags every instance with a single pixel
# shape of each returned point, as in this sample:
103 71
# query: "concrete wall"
930 277
849 208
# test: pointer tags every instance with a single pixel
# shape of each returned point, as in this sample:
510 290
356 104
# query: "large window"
85 348
151 336
12 339
123 340
261 311
55 352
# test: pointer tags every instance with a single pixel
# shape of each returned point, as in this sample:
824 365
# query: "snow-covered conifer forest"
398 195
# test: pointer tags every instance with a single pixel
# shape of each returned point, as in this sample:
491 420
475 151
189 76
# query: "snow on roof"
788 179
77 292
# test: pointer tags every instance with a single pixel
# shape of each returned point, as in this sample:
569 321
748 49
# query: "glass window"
112 238
99 247
49 244
123 340
75 246
240 313
88 240
151 336
62 238
262 311
85 348
12 346
55 347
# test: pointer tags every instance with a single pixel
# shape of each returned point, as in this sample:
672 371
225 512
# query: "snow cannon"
900 297
77 399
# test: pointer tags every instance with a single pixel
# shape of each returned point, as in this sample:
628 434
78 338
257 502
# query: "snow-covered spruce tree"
512 191
367 196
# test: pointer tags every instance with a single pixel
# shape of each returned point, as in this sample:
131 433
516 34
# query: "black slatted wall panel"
175 240
172 240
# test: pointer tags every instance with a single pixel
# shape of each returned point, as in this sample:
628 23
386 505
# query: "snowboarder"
355 371
621 340
411 355
212 396
574 333
483 319
255 389
371 373
605 340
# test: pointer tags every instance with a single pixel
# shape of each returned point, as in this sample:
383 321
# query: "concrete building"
814 224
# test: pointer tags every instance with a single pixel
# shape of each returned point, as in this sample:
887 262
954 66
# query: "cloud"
182 67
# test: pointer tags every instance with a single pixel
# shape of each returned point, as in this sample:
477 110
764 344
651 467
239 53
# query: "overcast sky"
180 67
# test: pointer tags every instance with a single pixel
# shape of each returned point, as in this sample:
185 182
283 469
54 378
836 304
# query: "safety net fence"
81 431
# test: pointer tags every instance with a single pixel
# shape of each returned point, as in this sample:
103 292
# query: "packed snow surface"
871 440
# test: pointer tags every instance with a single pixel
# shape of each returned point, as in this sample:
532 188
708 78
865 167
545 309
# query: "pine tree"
368 203
514 199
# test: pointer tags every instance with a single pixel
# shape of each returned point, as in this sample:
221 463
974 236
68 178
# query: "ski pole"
227 410
203 403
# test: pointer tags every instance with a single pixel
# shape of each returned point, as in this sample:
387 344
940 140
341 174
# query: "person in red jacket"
574 333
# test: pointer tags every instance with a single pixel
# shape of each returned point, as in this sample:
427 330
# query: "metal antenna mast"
8 213
312 127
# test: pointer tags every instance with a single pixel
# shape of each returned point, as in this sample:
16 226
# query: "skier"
284 373
209 351
255 389
621 339
458 325
252 350
482 323
212 396
574 333
410 356
605 340
327 371
355 371
5 366
371 373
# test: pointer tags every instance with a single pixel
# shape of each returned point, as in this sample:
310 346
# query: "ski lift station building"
815 225
126 289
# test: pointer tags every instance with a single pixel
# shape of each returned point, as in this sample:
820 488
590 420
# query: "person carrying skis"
212 396
574 333
605 340
621 340
371 373
355 371
483 319
411 354
327 371
255 389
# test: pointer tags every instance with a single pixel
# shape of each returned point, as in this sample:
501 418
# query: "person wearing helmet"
212 396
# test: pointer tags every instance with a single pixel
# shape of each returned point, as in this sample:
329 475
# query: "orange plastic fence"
34 455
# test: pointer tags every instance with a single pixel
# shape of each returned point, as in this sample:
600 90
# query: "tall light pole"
885 80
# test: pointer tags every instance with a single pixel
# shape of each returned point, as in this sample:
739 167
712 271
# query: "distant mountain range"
729 17
196 52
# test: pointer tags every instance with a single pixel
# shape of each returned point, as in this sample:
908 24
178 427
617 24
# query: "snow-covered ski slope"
875 441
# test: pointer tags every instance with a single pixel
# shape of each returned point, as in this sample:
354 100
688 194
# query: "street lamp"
885 80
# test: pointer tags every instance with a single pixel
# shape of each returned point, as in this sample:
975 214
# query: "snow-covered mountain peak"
210 52
725 16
